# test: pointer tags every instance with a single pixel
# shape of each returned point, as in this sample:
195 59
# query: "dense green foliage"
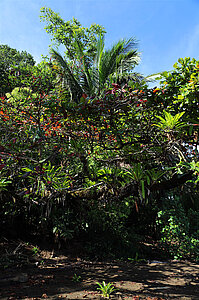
12 61
12 57
67 33
108 169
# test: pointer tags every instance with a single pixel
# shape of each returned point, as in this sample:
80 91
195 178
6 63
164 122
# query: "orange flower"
84 96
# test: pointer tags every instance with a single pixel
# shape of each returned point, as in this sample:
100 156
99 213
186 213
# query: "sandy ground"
28 273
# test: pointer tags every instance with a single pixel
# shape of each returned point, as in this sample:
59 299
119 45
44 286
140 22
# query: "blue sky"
165 29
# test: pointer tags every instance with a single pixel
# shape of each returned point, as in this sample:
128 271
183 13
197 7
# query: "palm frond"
108 64
72 84
129 45
97 63
86 77
90 76
119 59
127 62
124 78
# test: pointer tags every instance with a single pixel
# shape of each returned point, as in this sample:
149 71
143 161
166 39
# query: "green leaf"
143 189
190 130
148 180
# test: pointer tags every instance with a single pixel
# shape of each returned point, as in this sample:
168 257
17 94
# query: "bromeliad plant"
76 278
170 122
106 289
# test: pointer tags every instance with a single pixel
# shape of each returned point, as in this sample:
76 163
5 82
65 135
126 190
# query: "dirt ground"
29 273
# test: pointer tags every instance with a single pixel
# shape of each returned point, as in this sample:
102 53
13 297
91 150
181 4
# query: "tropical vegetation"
89 152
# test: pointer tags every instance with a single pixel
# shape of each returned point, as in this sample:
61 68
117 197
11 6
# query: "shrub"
174 226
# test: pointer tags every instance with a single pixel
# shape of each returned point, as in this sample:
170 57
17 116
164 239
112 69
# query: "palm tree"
120 59
89 77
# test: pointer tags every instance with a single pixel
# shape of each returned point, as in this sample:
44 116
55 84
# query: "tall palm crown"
89 76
